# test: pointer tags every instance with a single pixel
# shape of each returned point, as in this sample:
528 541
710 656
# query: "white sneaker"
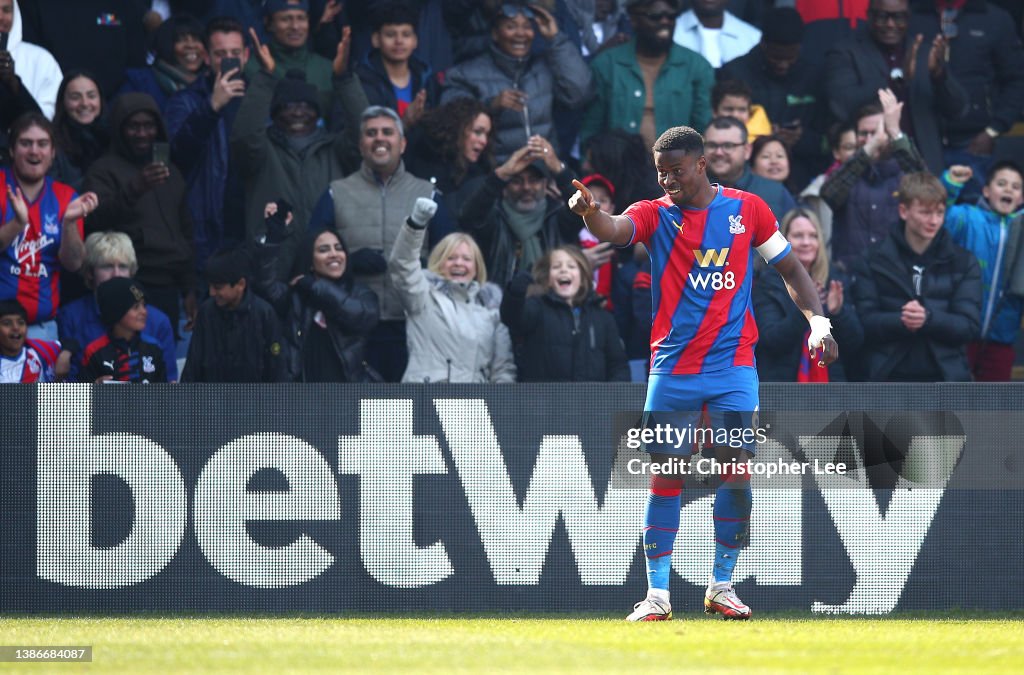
722 600
650 609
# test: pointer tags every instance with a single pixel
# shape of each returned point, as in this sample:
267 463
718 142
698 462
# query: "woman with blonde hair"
782 354
566 335
453 328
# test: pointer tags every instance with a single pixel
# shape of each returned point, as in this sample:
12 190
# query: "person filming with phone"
142 193
199 121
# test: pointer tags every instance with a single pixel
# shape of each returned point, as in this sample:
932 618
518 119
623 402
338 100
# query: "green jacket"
318 70
682 93
271 168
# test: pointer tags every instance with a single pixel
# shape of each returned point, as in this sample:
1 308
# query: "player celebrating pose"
701 238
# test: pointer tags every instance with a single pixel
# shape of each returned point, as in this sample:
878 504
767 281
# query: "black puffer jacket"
950 290
781 328
560 345
350 309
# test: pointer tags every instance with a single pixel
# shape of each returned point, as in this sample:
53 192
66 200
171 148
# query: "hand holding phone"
161 153
229 63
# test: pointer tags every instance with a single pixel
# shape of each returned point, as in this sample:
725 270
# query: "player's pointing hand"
582 203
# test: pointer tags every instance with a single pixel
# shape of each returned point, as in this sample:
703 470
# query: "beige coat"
454 330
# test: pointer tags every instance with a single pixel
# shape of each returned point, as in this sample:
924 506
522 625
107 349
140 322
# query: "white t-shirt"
710 47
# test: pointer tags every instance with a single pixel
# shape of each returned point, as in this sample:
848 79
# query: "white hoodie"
39 72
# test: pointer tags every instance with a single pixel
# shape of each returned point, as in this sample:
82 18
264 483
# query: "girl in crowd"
782 353
454 329
325 314
566 335
79 126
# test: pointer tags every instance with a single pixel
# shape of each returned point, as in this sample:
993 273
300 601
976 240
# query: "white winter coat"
454 330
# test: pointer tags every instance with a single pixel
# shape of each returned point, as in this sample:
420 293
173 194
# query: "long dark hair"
67 140
304 254
444 127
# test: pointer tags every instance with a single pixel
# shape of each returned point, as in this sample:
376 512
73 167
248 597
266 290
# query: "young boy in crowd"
992 230
734 98
237 336
123 354
23 359
391 74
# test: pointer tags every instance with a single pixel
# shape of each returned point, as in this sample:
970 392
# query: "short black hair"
394 14
729 122
730 88
228 266
12 306
680 138
782 26
223 24
1004 164
836 131
868 110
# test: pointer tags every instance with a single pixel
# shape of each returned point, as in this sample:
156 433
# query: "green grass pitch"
970 643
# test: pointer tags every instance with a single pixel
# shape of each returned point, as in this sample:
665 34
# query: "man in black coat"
882 55
918 294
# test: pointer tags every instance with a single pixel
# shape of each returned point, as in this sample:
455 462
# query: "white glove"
423 211
820 329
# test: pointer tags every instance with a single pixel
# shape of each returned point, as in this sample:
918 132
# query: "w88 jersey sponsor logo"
715 280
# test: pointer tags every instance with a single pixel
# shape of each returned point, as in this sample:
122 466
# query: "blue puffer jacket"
987 234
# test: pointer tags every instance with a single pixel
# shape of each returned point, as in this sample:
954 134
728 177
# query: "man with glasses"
727 151
650 83
987 58
882 55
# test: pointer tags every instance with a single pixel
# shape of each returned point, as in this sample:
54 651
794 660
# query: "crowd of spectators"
315 190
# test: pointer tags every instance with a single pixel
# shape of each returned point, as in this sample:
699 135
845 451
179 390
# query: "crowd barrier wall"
446 498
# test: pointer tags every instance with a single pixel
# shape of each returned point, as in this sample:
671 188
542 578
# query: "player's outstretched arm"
801 289
616 229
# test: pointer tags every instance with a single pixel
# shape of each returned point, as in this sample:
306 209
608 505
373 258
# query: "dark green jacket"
682 91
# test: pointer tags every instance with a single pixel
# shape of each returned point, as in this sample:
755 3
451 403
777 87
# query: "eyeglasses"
899 18
512 11
656 17
727 147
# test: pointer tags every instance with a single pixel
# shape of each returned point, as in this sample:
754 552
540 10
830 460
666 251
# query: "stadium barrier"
442 498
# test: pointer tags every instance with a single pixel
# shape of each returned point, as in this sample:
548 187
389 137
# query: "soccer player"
702 238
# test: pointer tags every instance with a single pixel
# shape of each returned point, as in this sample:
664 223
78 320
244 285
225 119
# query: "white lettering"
226 505
386 455
69 456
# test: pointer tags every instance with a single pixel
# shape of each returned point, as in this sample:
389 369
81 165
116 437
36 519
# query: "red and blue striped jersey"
31 270
702 269
36 363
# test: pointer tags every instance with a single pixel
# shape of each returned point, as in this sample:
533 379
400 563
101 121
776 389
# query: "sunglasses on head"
512 11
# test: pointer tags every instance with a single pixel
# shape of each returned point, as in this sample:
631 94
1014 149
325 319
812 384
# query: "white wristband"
820 328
